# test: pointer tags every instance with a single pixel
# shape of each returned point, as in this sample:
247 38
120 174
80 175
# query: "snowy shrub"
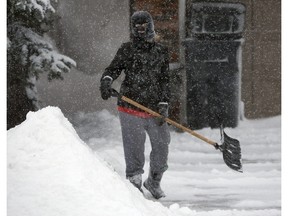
29 53
36 53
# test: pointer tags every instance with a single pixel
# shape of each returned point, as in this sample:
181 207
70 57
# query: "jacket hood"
140 17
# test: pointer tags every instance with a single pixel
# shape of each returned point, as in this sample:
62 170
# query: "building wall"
261 80
91 33
261 68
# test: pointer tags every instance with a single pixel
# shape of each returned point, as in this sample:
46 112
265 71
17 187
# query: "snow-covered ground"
57 169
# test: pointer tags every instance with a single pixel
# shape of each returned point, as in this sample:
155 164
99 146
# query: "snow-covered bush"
29 54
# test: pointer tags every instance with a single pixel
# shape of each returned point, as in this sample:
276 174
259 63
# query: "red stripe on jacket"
134 112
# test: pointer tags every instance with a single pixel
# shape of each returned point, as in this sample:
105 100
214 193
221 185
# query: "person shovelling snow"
145 63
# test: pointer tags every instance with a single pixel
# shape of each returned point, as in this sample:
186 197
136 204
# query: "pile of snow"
51 171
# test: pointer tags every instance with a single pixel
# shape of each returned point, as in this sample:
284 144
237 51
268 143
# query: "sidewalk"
197 176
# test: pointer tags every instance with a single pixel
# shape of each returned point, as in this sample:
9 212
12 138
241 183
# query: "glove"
105 88
163 111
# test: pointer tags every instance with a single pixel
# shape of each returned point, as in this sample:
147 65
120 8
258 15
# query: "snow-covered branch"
39 54
39 8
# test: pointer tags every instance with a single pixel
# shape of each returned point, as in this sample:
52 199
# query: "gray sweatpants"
134 135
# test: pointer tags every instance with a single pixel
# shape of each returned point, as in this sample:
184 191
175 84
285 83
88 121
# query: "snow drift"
52 172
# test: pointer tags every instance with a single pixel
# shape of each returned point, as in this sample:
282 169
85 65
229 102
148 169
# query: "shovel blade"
231 152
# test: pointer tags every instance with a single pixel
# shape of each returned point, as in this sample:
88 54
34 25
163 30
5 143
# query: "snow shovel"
230 147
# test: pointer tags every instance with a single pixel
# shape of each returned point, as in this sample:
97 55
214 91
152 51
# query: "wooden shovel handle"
128 100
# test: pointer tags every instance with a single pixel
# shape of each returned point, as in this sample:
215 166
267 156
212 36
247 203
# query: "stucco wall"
90 32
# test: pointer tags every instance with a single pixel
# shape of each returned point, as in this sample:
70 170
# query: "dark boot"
136 180
152 184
